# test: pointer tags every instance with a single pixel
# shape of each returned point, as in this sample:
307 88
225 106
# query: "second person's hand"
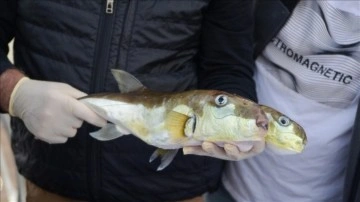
228 151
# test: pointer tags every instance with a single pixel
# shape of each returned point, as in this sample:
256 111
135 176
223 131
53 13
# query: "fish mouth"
263 126
261 120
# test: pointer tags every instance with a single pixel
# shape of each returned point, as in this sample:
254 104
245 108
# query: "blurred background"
12 185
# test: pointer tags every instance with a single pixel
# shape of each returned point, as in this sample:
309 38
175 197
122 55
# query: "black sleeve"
7 30
226 52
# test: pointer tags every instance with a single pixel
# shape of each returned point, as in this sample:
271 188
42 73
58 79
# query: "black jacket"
352 180
164 44
277 13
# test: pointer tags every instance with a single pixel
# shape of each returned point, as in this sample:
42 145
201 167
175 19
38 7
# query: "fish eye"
221 100
284 121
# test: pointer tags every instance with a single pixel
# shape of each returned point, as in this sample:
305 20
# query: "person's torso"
310 72
78 42
321 59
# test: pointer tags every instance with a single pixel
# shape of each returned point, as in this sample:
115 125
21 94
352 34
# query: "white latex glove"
229 151
50 110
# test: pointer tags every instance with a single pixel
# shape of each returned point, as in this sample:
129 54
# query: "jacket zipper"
102 48
109 6
102 51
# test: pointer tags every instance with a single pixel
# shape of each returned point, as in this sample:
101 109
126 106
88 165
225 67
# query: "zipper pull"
109 6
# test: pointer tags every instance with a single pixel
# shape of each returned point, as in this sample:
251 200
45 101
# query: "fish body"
175 120
172 120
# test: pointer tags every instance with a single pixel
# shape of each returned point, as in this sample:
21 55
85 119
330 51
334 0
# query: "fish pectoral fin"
126 81
167 156
184 109
188 119
109 132
175 123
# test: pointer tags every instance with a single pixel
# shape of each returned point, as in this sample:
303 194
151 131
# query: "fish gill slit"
194 125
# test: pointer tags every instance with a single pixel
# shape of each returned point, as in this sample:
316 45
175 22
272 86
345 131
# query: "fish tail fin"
167 156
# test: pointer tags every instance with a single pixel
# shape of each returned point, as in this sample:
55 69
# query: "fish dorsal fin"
126 81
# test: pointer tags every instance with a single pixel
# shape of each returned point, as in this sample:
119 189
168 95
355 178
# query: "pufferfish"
173 120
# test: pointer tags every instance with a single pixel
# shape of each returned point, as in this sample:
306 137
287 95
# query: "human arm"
50 110
226 54
7 29
226 63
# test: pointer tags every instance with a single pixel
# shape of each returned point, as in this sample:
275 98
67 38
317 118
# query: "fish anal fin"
167 156
122 129
109 132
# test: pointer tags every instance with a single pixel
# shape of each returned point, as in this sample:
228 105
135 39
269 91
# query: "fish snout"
261 120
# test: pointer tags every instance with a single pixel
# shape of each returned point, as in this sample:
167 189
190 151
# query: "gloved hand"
50 110
229 151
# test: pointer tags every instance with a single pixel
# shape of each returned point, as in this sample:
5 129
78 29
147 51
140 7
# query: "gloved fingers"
54 135
83 112
74 122
71 91
53 140
77 123
67 132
